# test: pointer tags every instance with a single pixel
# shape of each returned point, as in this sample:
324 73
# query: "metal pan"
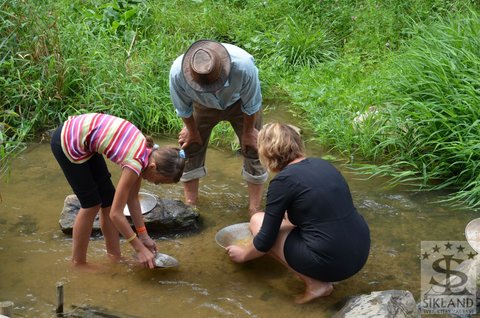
236 234
162 260
165 261
472 234
147 203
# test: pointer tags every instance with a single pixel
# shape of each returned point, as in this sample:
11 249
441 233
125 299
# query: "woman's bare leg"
313 288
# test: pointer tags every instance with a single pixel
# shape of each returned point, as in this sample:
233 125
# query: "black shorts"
340 254
90 181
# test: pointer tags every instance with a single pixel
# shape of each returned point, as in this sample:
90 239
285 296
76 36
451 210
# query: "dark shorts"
90 180
337 255
206 119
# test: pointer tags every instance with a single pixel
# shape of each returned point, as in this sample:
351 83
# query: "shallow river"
35 254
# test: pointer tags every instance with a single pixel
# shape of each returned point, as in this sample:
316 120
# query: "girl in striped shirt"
79 145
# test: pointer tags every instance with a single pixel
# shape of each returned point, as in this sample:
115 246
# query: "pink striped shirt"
116 138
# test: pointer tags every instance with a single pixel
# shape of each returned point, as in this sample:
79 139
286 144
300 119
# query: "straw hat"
206 66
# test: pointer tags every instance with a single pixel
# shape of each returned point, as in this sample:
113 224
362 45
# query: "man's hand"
249 141
186 138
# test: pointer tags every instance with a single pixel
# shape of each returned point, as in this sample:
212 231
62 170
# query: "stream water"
35 254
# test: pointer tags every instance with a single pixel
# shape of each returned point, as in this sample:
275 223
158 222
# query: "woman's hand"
242 254
148 242
237 253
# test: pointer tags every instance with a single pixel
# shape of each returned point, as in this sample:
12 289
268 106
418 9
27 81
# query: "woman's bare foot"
313 291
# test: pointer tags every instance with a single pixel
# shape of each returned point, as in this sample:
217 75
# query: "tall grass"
65 57
432 124
392 82
415 116
27 76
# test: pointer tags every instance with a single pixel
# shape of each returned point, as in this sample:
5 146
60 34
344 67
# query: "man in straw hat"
210 83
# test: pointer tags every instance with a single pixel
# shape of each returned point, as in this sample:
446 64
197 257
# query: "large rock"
381 304
167 217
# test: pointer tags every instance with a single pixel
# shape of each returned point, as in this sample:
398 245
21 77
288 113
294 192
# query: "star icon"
448 246
460 248
425 255
436 249
471 255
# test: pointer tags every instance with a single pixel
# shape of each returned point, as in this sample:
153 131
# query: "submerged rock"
95 312
388 303
167 217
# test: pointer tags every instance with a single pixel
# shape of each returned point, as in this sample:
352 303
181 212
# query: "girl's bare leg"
111 235
82 230
313 288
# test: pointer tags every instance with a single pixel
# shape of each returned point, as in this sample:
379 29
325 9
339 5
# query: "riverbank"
408 70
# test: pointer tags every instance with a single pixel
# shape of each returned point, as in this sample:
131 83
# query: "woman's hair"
168 160
278 145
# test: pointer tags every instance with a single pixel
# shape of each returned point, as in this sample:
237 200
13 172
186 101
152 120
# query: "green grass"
419 106
394 84
433 112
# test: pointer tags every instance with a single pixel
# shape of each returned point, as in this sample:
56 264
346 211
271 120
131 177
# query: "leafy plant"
117 15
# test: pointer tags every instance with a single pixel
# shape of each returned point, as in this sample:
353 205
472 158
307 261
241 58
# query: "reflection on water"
35 253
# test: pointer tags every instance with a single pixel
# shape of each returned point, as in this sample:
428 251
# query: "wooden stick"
6 308
59 309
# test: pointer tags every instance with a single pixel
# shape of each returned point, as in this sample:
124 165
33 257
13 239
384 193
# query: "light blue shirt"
243 83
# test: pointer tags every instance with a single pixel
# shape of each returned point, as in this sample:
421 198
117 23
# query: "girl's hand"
237 253
148 242
146 258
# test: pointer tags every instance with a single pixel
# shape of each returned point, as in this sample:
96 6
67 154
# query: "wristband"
132 238
142 229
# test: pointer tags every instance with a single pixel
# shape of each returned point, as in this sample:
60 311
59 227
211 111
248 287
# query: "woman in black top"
310 223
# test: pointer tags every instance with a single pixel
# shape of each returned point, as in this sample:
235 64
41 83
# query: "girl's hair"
278 145
168 160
